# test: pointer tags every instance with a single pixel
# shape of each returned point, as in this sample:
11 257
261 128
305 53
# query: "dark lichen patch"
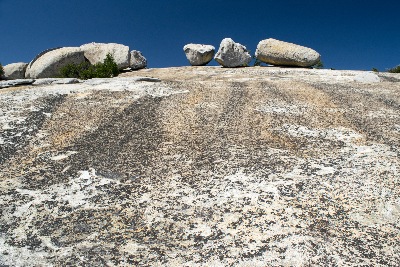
367 110
19 135
122 145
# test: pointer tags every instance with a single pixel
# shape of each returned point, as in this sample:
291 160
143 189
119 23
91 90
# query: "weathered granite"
137 61
277 52
17 82
231 54
47 81
199 54
50 62
209 167
15 71
97 52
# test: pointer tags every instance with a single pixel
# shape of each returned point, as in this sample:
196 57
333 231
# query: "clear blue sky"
348 34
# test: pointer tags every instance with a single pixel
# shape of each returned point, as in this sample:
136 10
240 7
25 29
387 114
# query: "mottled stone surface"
281 53
17 82
49 63
137 61
15 71
231 54
199 54
209 167
97 52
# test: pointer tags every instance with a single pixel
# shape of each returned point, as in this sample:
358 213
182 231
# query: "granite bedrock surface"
208 167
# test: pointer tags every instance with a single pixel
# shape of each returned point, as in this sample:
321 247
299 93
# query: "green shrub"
374 70
1 71
395 69
318 65
85 70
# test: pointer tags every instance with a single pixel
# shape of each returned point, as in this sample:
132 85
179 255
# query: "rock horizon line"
230 54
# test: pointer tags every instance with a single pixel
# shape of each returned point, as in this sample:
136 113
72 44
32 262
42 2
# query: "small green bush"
395 69
85 70
318 65
1 71
374 70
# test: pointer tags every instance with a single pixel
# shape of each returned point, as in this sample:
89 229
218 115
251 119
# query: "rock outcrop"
204 166
97 52
231 54
199 54
15 71
275 52
48 64
137 60
17 82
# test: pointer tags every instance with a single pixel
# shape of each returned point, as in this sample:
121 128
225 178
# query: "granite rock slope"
203 167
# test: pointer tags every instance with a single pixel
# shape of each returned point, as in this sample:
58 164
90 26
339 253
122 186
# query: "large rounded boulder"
199 54
97 52
15 71
275 52
231 54
49 64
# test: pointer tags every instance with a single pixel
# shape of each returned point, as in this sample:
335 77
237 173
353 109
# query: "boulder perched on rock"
199 54
137 60
49 64
97 52
281 53
231 54
15 71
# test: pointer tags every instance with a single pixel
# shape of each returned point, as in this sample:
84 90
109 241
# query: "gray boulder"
15 71
199 54
49 64
137 60
97 52
281 53
231 54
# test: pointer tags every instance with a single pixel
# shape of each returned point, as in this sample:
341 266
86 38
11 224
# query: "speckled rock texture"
97 52
281 53
15 71
199 54
202 166
49 63
231 54
137 61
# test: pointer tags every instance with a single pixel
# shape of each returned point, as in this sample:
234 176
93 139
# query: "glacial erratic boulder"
199 54
15 71
97 52
275 52
231 54
137 60
49 64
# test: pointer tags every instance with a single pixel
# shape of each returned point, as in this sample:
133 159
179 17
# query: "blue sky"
348 34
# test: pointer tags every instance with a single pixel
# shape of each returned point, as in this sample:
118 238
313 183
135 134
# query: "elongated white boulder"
49 64
137 60
15 71
199 54
97 52
275 52
231 54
